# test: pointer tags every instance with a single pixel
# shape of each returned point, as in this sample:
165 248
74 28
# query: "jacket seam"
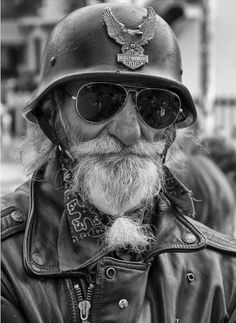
188 223
123 264
13 229
97 302
7 230
218 246
211 240
183 247
216 233
173 248
71 299
8 210
219 234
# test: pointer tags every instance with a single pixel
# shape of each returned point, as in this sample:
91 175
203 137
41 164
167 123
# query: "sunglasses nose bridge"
134 94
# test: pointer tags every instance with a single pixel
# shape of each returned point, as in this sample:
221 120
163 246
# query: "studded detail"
37 259
17 216
189 238
110 272
123 303
190 277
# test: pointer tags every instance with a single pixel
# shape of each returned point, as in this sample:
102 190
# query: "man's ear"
46 116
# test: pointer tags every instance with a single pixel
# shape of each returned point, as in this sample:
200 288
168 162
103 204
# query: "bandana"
87 222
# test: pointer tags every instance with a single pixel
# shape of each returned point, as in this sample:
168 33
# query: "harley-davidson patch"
131 40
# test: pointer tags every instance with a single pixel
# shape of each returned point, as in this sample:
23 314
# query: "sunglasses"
98 102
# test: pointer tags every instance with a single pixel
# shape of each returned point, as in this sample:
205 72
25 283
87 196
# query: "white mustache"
105 145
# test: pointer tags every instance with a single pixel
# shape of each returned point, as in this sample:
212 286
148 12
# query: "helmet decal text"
131 40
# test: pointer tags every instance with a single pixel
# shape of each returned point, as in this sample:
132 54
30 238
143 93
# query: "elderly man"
103 230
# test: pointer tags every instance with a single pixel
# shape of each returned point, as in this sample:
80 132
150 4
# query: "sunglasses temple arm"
177 116
71 96
167 146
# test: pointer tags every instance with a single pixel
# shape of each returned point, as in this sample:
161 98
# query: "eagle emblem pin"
131 40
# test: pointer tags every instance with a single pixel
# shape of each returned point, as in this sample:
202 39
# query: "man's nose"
125 125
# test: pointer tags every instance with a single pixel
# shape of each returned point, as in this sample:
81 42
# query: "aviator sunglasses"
98 102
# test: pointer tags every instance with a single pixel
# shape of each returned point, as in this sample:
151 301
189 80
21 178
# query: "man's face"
119 166
127 126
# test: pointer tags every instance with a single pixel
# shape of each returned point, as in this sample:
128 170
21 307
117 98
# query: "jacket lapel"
48 248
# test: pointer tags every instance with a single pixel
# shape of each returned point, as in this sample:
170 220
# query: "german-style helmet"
114 43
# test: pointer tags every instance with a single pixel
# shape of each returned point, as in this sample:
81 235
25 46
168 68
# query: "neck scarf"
85 220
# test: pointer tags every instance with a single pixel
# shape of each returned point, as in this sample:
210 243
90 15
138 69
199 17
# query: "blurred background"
206 32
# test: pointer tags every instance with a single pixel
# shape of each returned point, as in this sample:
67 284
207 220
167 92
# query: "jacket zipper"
84 305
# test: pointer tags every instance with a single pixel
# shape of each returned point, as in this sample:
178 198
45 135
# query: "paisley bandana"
85 220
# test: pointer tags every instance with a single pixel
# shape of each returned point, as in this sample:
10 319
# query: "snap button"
17 216
110 272
123 303
37 259
189 238
190 277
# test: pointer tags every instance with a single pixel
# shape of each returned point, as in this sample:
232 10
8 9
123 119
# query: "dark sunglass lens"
98 102
158 108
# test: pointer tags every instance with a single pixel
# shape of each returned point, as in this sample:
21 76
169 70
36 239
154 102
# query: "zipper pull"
84 307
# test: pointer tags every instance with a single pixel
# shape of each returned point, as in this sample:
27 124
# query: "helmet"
112 42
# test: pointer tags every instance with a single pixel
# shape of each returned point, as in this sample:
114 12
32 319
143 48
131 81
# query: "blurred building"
219 74
27 23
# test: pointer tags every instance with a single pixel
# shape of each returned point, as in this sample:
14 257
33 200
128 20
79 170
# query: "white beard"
116 180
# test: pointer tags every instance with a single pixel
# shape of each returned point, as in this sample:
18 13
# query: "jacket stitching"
71 298
218 246
215 233
183 219
220 235
222 245
8 210
128 265
13 229
98 291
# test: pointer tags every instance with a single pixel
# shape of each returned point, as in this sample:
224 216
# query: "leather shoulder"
215 239
14 211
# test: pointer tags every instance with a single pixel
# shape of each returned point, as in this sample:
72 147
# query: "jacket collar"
48 248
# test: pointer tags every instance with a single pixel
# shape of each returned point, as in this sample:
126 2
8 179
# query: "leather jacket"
188 275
